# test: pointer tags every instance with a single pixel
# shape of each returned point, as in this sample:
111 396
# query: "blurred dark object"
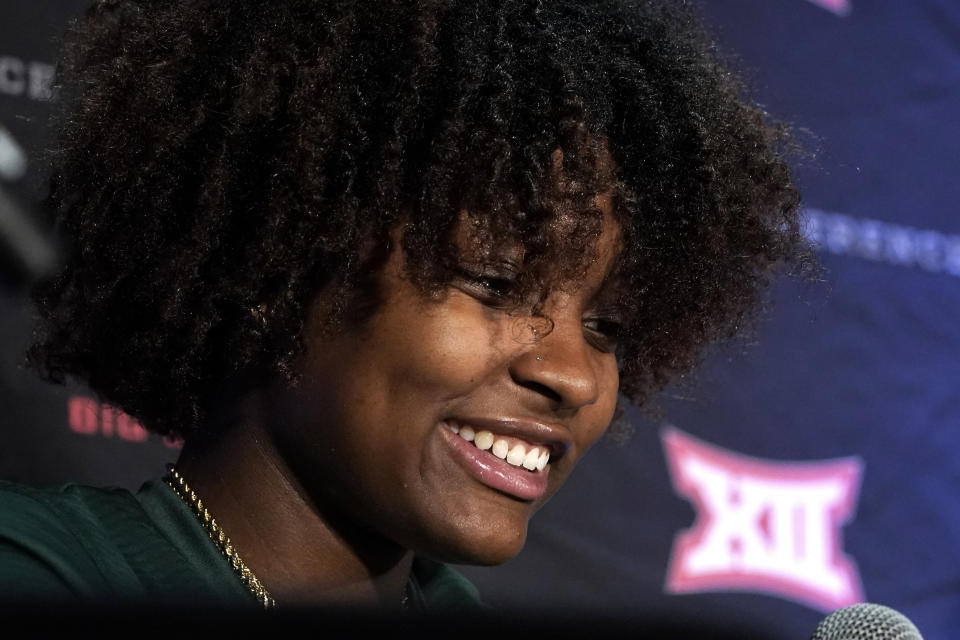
26 252
13 159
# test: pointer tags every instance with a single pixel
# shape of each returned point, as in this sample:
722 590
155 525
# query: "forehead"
566 219
569 187
572 249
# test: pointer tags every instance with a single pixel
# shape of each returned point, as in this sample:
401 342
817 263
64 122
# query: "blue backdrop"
812 465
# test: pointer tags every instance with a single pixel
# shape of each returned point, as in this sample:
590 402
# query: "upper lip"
555 437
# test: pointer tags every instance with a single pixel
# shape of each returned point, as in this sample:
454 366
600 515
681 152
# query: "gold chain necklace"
182 489
190 497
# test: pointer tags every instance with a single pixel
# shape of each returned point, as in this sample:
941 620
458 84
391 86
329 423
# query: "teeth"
518 456
544 459
531 459
483 440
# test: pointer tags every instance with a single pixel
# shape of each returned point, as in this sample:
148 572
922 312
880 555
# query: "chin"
485 557
491 544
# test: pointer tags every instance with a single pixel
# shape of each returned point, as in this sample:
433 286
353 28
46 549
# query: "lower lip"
496 473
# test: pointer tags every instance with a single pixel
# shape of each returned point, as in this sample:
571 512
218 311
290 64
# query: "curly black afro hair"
220 161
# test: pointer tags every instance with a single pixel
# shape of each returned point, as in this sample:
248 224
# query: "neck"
305 550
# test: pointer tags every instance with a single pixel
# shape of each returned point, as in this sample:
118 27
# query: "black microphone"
866 621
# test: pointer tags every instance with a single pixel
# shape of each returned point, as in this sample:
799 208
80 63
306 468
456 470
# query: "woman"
385 268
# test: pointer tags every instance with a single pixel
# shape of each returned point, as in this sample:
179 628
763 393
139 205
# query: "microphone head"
866 621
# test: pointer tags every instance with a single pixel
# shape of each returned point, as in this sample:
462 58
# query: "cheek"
607 406
597 417
448 348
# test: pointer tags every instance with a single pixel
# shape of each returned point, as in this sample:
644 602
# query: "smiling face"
370 430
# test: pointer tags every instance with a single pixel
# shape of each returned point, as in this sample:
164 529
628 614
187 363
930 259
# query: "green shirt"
83 543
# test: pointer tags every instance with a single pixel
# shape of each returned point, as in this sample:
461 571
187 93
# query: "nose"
558 364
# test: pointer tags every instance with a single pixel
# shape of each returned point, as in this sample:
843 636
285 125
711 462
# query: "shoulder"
67 515
52 539
109 545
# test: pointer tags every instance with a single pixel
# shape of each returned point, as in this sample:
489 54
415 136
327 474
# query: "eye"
603 332
490 287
